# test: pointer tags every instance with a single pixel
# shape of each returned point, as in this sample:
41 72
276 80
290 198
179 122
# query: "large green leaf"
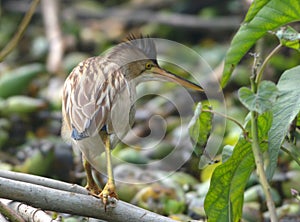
261 101
254 9
272 15
224 200
284 111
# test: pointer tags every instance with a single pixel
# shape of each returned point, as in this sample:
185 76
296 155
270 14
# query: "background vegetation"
62 33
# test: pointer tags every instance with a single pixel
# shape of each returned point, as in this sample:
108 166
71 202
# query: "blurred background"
63 33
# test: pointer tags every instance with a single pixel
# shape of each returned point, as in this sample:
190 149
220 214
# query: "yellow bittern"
97 103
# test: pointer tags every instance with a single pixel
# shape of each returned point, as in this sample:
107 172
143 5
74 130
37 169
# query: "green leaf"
284 111
264 123
254 9
289 37
16 81
200 127
224 200
272 15
21 105
261 101
298 120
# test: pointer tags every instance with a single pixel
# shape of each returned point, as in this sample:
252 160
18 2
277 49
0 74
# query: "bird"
98 103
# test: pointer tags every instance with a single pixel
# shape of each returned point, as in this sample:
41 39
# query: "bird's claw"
93 190
108 192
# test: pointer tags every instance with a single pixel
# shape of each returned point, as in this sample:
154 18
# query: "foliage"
272 109
30 105
262 100
263 16
285 110
200 127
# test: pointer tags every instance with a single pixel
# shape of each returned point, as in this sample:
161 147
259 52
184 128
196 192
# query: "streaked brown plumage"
98 98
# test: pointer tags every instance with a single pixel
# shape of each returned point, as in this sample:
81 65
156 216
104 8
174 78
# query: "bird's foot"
108 191
93 189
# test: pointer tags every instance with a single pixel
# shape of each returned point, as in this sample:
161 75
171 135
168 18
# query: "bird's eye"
148 65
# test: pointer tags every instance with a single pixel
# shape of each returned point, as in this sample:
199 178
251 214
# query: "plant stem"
263 66
291 154
245 132
21 29
260 168
259 162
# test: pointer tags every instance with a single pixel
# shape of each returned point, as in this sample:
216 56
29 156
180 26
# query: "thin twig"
291 154
21 29
263 66
245 132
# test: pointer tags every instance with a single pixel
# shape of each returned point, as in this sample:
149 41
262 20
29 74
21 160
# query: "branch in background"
27 213
9 213
19 34
130 16
70 202
50 12
42 181
135 13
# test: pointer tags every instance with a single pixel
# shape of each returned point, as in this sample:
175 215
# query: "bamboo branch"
74 203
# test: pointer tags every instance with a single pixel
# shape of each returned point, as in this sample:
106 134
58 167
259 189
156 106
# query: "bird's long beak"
174 78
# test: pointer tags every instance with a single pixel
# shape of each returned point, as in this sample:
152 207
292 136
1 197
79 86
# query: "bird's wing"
88 97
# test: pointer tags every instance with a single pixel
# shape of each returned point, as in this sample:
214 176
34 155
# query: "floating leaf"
21 104
40 163
200 127
261 101
16 81
284 111
265 17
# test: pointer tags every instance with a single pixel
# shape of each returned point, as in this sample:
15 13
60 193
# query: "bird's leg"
91 185
109 190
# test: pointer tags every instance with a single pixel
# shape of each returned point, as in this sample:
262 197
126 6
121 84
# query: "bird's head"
137 58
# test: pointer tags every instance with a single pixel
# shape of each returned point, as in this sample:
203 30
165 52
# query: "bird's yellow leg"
91 185
109 190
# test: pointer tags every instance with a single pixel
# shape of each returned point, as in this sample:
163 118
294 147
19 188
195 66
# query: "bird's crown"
145 44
